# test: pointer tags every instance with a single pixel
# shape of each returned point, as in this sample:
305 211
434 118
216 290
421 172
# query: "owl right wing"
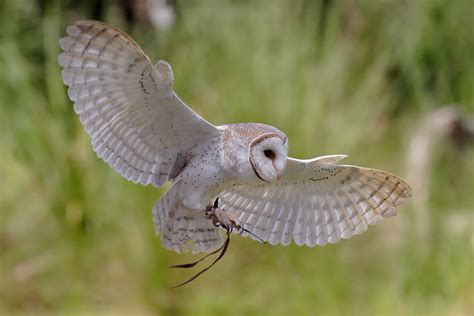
316 201
136 122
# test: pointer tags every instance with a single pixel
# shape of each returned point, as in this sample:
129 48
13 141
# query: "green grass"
351 77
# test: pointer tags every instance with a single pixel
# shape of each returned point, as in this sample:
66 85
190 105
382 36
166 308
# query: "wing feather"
136 122
311 240
316 202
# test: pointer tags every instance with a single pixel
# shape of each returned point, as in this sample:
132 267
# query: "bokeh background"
388 82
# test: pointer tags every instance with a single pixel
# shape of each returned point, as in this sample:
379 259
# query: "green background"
364 78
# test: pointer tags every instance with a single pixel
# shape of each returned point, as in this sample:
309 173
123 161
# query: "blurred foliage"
351 77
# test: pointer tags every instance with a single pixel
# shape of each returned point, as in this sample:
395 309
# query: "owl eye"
269 153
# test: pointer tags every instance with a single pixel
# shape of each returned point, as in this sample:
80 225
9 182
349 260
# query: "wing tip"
329 159
88 22
73 30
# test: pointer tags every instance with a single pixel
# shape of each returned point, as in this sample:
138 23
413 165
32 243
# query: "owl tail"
183 229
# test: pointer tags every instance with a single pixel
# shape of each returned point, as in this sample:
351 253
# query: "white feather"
126 104
141 128
317 201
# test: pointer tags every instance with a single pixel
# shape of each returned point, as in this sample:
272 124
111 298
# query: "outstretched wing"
316 202
137 124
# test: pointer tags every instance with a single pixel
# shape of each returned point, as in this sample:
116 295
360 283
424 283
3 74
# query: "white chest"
202 178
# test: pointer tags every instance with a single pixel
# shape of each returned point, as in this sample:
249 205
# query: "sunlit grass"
76 238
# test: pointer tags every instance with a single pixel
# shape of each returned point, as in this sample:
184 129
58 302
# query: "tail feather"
182 229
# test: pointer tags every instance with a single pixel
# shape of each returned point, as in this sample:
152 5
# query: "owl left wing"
136 122
316 201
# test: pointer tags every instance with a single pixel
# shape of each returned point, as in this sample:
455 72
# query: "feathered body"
223 162
140 127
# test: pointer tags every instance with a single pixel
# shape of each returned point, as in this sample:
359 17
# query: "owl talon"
227 220
220 217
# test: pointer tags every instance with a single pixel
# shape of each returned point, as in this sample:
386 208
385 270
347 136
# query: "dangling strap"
223 249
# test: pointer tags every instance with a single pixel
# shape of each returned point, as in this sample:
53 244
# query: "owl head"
257 152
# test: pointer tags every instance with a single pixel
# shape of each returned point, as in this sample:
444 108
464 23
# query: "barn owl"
142 129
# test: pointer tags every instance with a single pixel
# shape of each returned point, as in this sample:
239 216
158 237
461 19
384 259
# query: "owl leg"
227 220
222 218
